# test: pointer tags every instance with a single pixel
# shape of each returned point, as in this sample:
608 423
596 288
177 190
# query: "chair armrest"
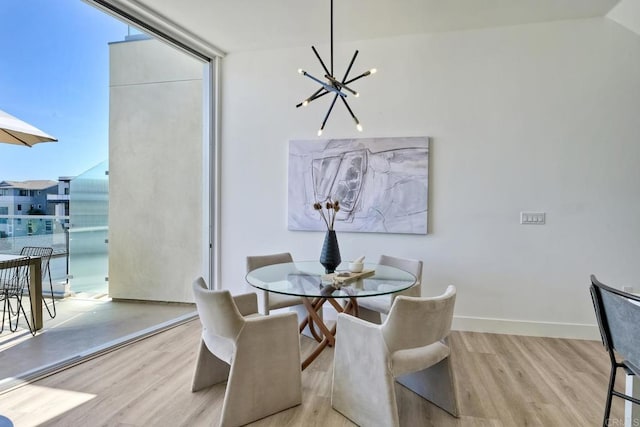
247 303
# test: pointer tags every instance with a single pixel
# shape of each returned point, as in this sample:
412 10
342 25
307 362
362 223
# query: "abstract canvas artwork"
381 184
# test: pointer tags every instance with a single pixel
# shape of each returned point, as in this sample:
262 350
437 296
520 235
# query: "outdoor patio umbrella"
15 131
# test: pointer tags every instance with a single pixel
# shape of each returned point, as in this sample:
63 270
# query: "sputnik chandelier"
333 85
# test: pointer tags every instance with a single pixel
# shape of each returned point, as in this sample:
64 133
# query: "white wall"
540 117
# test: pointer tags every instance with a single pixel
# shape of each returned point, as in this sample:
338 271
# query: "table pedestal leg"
351 307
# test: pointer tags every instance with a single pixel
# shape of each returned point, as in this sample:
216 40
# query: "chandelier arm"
312 97
320 59
349 67
365 74
326 117
319 95
350 111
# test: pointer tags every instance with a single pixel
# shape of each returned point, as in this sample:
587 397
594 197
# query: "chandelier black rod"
331 38
321 61
326 117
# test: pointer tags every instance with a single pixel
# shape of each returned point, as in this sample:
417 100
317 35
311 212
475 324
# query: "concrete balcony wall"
155 172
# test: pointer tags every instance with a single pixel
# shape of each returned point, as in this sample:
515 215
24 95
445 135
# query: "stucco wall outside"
155 172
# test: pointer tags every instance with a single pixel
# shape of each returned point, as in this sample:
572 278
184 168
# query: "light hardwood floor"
503 380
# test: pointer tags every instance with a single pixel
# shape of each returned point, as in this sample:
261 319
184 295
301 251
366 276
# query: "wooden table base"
313 319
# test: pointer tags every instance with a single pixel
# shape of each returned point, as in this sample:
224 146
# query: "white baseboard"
514 327
529 328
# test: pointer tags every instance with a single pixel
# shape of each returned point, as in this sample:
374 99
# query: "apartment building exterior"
20 199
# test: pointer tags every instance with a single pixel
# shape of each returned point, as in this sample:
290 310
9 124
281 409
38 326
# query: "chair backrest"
218 312
43 252
258 261
14 276
618 315
412 266
419 321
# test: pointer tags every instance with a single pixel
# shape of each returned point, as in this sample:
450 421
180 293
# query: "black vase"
330 255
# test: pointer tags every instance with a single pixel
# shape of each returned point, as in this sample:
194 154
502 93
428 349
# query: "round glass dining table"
308 280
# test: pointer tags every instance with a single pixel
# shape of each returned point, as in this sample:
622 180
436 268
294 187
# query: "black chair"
14 279
618 315
45 256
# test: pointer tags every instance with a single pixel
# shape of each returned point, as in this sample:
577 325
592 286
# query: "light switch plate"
535 218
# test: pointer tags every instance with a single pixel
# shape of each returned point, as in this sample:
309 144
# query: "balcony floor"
82 326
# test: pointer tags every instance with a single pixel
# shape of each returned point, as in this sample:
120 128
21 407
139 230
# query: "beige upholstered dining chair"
258 356
374 308
268 300
410 348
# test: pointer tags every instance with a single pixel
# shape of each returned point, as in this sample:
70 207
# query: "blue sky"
54 74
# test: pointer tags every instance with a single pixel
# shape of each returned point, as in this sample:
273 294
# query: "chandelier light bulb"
305 102
373 71
319 132
357 94
359 127
300 71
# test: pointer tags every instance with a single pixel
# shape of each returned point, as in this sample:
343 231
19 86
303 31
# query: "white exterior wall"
539 117
155 172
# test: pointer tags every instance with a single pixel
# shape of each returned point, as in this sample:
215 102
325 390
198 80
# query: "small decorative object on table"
356 265
330 255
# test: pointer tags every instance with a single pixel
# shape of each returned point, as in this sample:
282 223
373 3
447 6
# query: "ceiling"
241 25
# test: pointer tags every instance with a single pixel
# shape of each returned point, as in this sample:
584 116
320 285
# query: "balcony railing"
80 254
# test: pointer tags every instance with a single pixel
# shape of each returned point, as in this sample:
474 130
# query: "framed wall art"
381 183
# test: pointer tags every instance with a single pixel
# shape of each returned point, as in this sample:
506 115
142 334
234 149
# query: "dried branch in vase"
332 207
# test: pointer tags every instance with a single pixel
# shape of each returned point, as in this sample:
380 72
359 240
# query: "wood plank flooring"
503 380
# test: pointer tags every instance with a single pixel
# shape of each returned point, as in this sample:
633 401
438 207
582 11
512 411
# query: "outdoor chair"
258 356
373 309
14 279
618 315
45 256
410 347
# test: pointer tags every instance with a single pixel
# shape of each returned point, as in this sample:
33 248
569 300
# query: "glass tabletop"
308 278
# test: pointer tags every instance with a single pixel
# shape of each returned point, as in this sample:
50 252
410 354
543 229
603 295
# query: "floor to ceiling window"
127 213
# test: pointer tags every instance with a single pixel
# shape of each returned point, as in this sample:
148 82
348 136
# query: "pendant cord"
331 38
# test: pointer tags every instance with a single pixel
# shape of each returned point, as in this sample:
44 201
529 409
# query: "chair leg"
20 308
5 302
607 406
14 312
53 300
209 369
435 384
